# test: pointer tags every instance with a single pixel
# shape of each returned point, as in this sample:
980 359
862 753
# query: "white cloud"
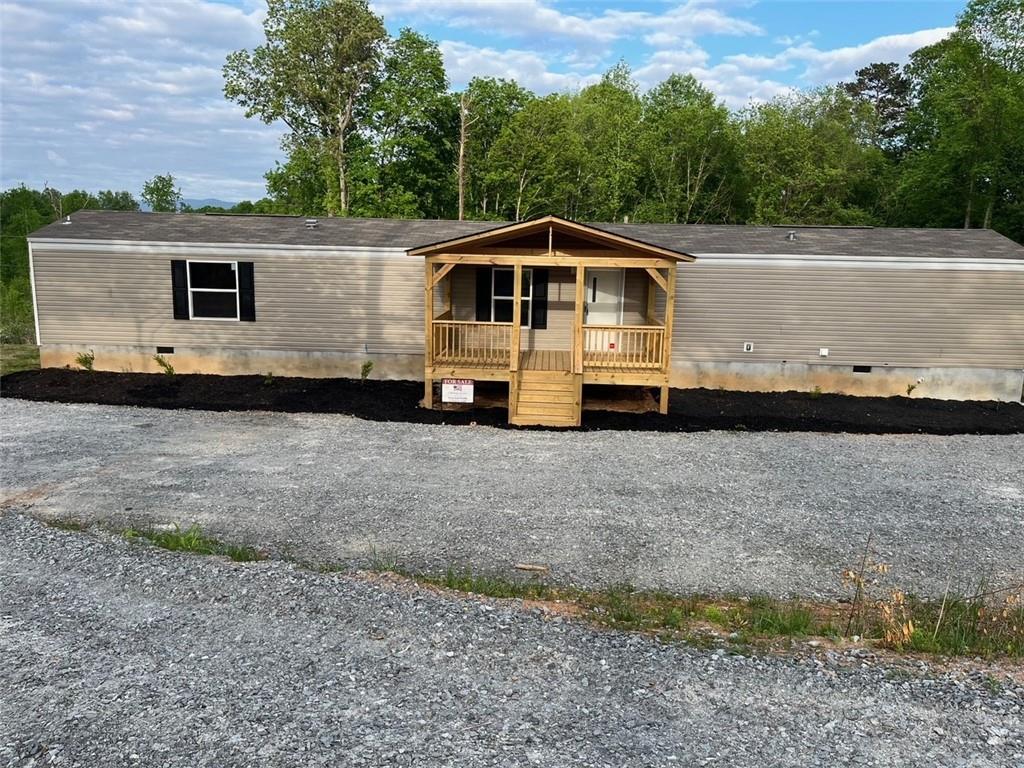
464 62
538 22
840 63
107 94
56 158
743 78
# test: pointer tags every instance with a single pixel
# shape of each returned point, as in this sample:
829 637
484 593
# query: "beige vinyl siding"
304 301
863 315
561 304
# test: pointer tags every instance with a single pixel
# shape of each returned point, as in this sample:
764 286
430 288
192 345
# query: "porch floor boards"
545 360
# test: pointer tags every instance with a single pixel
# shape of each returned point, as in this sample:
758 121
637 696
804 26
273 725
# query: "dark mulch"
690 410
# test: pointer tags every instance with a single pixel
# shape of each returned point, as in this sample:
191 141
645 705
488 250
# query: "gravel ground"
121 654
779 513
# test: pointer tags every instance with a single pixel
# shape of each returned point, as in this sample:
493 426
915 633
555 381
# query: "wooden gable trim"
552 223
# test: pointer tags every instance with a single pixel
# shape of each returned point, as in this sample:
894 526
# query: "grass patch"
68 524
968 626
18 357
192 539
963 627
491 586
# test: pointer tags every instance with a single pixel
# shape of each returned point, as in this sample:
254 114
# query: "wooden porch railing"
464 342
624 346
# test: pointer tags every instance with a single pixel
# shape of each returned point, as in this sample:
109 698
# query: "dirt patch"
691 410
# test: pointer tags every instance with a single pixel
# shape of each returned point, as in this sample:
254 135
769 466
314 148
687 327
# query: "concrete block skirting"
225 361
944 383
883 381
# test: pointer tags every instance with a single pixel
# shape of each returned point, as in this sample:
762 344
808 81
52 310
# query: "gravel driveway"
118 654
780 513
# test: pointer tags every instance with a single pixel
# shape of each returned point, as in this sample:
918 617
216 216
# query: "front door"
603 306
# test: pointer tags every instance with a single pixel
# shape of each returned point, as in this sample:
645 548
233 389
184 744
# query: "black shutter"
246 292
483 294
539 304
179 289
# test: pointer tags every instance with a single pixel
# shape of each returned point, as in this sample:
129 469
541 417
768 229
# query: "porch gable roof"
553 224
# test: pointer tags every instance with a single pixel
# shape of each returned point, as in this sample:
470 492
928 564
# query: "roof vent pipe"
67 220
791 235
312 223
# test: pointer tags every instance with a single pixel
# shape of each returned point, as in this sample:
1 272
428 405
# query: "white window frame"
188 281
524 299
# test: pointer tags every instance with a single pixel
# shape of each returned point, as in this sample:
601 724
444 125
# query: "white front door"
602 305
603 300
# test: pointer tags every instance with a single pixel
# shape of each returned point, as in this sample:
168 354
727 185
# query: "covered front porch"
589 308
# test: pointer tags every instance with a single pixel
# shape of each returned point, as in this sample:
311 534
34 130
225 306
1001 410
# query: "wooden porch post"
428 329
670 308
577 321
652 296
517 315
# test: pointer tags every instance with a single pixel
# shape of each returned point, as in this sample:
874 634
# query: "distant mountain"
212 201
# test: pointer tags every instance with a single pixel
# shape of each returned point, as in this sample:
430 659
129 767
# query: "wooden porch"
545 385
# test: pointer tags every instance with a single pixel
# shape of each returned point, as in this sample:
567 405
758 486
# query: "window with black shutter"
213 290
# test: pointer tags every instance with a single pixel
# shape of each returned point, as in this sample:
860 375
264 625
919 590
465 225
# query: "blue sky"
107 93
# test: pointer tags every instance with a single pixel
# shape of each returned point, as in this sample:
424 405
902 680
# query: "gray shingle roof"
406 233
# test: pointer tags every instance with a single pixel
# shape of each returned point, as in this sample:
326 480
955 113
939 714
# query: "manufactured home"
546 306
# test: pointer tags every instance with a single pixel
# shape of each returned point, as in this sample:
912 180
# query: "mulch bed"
691 410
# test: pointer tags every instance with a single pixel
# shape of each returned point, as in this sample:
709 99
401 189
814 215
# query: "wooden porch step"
546 398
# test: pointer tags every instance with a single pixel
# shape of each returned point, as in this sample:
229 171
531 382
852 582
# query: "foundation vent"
312 223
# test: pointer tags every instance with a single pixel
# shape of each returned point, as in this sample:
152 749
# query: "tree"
161 194
489 105
607 117
887 89
408 133
964 135
808 159
22 210
688 145
320 58
109 200
533 166
998 27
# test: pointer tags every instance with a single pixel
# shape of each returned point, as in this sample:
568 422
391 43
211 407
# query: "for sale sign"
457 390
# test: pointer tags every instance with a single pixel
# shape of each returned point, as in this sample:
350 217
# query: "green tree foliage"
489 104
887 90
606 121
22 211
688 149
161 193
809 159
535 162
319 60
408 134
965 140
109 200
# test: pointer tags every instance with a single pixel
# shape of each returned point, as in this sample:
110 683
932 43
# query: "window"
213 290
503 288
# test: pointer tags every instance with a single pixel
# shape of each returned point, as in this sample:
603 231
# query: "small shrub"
364 372
268 380
164 364
910 389
815 393
85 360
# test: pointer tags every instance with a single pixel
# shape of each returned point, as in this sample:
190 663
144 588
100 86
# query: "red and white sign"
457 390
